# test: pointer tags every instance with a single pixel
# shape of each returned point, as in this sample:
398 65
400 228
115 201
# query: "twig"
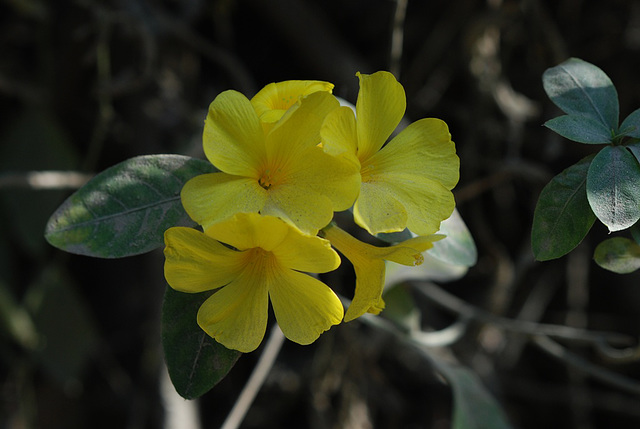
556 350
41 180
464 309
397 37
256 380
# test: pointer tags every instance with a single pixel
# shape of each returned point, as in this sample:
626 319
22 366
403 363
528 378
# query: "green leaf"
631 125
618 254
582 129
473 406
125 210
458 248
613 187
635 149
582 89
562 217
196 362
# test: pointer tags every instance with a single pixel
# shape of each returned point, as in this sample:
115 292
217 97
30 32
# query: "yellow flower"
266 266
368 263
278 170
272 101
406 183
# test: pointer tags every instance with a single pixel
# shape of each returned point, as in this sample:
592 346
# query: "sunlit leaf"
618 254
125 210
582 129
582 89
613 187
458 248
562 216
196 362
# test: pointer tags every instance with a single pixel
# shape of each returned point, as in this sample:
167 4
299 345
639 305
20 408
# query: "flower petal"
380 106
197 263
338 132
248 230
211 198
233 139
368 263
310 254
316 185
408 182
299 128
272 101
236 315
304 307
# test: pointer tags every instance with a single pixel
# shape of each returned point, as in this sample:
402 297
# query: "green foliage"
196 362
605 185
613 187
584 91
618 254
125 210
562 217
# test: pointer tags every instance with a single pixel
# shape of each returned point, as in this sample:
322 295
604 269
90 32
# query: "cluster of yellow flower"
288 159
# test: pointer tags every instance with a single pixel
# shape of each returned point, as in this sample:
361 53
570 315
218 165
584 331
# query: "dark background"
86 84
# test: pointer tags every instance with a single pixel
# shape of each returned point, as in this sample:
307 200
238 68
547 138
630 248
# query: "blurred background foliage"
86 84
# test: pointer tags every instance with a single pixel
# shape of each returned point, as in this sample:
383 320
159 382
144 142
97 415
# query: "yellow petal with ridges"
233 138
211 198
315 185
299 128
197 263
369 266
306 253
248 230
338 133
304 307
236 315
272 101
380 107
408 183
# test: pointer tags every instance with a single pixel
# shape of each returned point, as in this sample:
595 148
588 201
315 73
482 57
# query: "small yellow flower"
267 265
408 181
278 170
272 101
369 264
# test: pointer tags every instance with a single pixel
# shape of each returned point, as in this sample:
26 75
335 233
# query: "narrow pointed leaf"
618 254
613 187
125 210
562 217
582 129
196 362
582 89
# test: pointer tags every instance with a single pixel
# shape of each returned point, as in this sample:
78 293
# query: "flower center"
265 180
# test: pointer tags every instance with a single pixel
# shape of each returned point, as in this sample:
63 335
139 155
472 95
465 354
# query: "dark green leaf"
618 254
125 210
635 149
582 129
562 216
473 406
196 362
582 89
613 187
631 125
